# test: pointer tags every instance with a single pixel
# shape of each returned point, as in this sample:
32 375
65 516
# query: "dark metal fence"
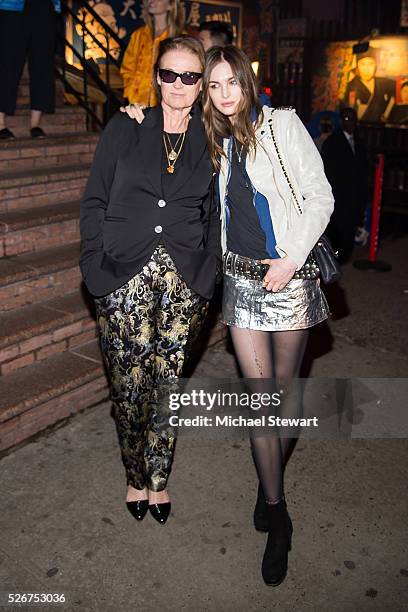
88 75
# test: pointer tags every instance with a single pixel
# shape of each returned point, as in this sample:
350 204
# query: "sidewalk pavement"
65 528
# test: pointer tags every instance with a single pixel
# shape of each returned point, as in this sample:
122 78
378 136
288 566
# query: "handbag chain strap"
282 165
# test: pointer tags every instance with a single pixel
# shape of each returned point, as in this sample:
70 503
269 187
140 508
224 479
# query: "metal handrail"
109 93
89 73
71 90
95 15
88 31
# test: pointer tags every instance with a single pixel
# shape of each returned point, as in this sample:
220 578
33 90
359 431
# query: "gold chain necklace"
173 154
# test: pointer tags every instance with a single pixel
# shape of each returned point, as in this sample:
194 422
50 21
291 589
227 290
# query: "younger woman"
275 203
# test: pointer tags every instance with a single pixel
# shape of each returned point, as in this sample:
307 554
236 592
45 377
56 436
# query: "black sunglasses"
187 78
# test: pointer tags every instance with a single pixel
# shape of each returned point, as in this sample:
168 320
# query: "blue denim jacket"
18 5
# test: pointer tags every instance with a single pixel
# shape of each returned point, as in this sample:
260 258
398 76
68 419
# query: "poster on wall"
404 14
124 16
374 81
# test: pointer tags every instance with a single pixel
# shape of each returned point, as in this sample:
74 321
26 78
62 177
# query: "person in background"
215 33
345 163
326 128
27 30
219 34
164 19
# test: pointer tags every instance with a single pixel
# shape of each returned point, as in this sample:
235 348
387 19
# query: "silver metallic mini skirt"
245 303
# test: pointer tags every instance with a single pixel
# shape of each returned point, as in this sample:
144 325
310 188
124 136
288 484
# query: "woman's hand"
279 274
135 111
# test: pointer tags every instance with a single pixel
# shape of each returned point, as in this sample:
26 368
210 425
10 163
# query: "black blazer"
124 214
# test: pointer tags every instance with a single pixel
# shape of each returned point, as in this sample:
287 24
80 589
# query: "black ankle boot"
275 559
261 511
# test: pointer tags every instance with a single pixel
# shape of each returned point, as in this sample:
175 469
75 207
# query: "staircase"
50 364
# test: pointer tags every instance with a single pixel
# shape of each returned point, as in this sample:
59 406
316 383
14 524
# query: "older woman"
150 240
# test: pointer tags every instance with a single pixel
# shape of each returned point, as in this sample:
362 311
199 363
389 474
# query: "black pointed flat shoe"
138 509
160 512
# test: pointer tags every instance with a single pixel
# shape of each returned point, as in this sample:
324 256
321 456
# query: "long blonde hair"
175 18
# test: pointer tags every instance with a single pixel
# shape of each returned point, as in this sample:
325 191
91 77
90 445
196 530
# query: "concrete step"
48 391
34 277
27 154
42 187
65 119
34 229
35 332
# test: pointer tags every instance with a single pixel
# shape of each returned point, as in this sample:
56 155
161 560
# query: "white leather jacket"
299 213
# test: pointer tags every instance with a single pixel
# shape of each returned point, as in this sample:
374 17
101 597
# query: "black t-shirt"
245 235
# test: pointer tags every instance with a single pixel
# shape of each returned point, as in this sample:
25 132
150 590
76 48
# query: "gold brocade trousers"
146 328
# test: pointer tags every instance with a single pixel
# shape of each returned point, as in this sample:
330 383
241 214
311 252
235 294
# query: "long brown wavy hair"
219 126
175 18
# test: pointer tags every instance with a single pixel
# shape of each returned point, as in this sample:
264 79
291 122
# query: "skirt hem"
289 328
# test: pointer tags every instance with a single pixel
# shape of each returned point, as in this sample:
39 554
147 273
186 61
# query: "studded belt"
243 267
309 270
252 269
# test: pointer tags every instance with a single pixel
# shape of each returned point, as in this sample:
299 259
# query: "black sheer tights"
276 356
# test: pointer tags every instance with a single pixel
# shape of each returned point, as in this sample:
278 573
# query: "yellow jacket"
137 66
